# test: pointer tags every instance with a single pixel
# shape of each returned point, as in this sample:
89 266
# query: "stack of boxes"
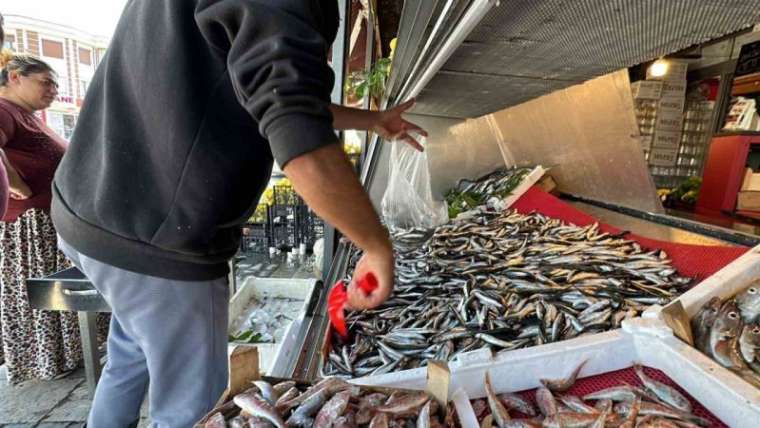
646 97
660 102
669 122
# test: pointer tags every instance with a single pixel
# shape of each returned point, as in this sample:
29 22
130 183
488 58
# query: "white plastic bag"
408 201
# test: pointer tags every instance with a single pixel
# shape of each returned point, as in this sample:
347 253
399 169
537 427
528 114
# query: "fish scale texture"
694 261
596 383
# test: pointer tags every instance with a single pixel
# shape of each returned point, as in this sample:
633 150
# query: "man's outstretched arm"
327 182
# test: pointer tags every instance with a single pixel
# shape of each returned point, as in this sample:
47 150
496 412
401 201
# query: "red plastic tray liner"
695 261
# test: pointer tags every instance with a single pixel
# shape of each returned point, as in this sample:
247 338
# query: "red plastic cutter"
336 302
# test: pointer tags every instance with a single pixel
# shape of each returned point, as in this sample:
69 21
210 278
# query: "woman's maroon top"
34 150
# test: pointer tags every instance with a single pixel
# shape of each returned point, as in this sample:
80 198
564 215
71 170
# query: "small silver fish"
237 422
664 392
546 402
726 327
423 420
408 404
309 407
515 402
267 391
216 421
576 404
380 420
749 345
748 302
653 409
257 406
702 323
283 387
570 420
562 385
333 408
615 393
633 413
500 414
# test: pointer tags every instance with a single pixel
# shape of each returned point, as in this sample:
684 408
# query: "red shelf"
724 172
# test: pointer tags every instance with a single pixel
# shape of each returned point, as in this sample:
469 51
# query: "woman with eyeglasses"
35 344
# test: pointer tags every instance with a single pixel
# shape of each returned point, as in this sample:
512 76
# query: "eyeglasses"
48 83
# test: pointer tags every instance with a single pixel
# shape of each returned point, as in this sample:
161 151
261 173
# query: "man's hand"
380 263
390 125
19 190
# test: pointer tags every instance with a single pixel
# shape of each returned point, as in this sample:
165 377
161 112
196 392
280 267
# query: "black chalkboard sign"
749 59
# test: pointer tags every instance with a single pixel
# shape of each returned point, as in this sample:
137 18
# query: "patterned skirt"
35 344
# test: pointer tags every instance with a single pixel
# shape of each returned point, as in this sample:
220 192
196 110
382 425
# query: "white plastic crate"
647 342
727 282
258 288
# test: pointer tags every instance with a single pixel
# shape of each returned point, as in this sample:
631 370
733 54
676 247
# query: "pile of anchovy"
729 332
652 404
330 403
502 280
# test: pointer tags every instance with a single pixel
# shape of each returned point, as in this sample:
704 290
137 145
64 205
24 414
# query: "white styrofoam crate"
727 282
299 289
645 341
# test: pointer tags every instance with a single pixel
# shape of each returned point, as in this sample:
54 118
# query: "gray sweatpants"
171 333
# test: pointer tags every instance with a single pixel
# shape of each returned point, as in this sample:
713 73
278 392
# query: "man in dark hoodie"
186 113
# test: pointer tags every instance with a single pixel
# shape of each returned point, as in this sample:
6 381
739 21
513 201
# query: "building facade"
72 53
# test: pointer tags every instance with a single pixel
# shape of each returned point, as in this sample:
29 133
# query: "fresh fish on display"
624 406
499 280
331 403
469 194
728 332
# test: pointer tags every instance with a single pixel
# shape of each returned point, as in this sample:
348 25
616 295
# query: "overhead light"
658 68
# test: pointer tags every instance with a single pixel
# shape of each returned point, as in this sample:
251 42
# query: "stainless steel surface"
88 329
314 326
286 369
727 230
70 290
414 25
470 18
552 44
646 228
589 135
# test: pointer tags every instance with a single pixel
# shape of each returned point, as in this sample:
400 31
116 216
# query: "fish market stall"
494 273
506 280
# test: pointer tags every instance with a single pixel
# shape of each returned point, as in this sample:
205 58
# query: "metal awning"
468 58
